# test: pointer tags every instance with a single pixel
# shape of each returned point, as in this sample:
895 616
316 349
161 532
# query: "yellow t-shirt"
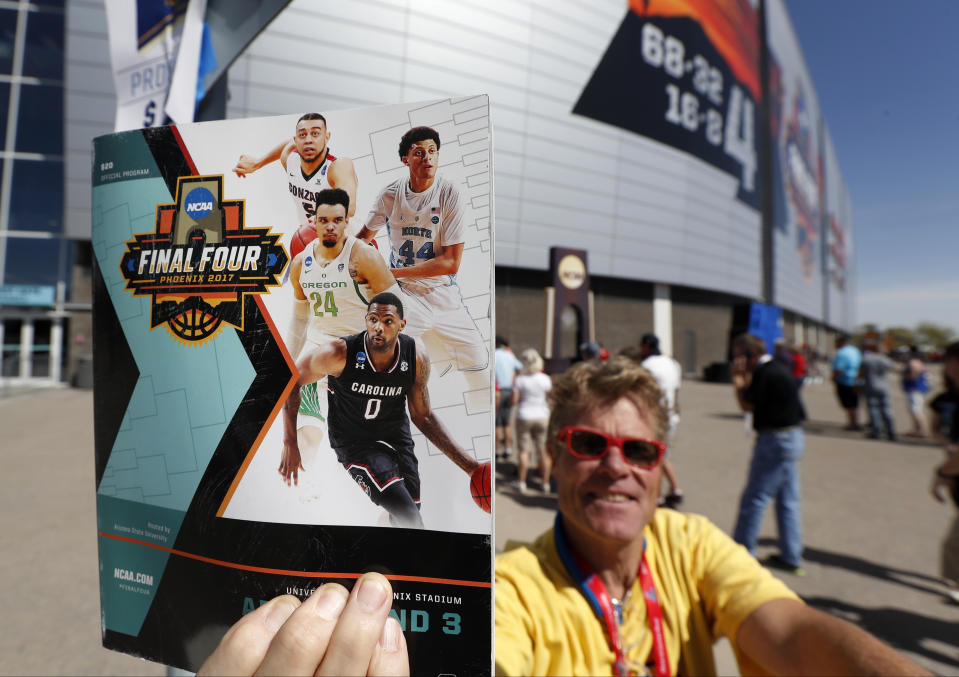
706 583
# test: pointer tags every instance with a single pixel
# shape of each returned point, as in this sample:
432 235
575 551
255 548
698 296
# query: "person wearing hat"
588 350
668 375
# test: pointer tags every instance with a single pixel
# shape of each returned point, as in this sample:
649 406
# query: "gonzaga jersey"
419 223
367 405
337 303
303 188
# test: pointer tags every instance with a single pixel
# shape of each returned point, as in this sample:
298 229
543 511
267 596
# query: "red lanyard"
595 592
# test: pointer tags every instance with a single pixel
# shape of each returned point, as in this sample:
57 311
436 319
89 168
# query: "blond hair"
532 362
589 386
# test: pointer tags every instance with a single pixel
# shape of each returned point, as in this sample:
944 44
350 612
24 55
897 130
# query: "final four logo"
201 262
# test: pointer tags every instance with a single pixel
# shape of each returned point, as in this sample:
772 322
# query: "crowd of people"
617 585
541 628
864 372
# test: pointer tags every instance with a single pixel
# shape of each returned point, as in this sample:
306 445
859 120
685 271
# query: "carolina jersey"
303 188
418 224
367 405
337 303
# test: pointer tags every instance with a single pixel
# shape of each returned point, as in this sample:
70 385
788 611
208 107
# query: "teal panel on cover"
183 402
130 572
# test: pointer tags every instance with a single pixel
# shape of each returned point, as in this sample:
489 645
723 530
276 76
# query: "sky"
887 79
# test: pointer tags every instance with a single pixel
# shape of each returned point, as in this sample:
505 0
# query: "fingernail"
390 637
329 603
281 609
372 593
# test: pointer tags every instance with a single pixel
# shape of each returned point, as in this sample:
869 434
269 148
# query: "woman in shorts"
532 415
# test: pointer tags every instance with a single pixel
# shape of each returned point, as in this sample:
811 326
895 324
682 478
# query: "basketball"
194 322
480 486
303 236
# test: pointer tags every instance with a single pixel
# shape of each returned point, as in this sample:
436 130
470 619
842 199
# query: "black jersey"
366 405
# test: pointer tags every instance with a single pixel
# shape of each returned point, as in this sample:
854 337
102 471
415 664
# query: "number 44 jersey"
367 405
419 224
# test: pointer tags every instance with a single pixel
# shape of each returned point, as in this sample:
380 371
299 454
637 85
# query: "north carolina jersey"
367 405
418 224
338 304
303 188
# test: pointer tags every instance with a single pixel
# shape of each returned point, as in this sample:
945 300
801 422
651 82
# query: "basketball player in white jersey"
423 214
332 280
311 169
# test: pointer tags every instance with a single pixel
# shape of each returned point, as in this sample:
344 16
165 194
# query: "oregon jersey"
367 405
337 303
303 188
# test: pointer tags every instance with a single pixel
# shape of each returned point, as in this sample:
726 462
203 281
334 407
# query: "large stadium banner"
796 170
221 247
686 73
837 240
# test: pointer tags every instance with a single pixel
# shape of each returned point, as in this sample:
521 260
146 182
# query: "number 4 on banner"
740 142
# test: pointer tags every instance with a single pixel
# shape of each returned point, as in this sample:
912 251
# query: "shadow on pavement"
909 579
534 498
833 429
905 630
728 415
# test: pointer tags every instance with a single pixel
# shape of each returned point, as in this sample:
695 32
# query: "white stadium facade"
676 145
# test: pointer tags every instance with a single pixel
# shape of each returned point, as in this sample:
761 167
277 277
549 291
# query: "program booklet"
235 265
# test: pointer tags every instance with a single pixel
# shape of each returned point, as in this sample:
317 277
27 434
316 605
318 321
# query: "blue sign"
27 295
766 322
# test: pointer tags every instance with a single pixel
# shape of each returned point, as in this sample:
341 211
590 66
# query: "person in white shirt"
668 375
532 417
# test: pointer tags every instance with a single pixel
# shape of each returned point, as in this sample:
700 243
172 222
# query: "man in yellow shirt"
618 587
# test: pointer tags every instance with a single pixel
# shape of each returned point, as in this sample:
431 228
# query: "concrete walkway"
872 531
48 555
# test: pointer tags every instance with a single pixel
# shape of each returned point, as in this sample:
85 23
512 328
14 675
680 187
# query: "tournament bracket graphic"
191 373
200 262
686 73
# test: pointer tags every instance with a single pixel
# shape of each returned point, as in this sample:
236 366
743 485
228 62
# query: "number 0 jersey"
303 188
367 405
418 224
337 303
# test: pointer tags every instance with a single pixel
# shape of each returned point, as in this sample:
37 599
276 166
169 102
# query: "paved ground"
872 531
48 554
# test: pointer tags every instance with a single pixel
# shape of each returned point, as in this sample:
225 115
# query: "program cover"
226 251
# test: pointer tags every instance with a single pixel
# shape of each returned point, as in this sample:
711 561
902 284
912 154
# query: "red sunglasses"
591 445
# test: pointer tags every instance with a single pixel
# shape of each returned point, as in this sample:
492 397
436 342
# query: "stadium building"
674 148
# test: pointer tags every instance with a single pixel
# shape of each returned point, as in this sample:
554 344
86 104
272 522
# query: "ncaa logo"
308 261
360 360
435 219
199 203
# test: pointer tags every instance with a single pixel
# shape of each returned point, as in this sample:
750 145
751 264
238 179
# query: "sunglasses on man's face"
591 445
